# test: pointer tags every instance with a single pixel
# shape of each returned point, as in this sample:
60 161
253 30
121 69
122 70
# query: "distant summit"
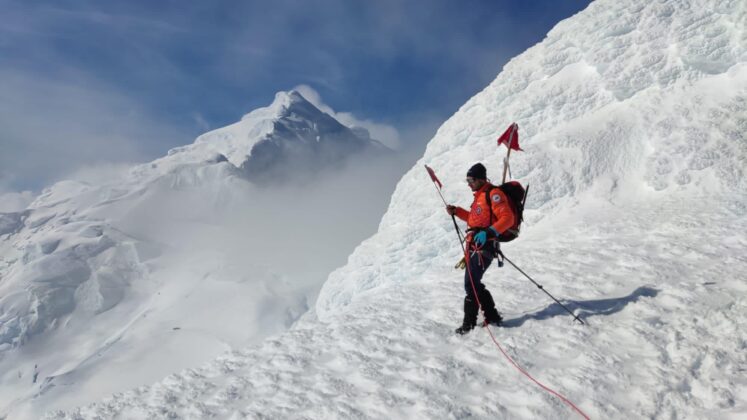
305 139
290 133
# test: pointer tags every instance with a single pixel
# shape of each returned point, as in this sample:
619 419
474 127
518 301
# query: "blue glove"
482 236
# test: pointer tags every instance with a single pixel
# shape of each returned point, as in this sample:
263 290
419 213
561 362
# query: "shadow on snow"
584 309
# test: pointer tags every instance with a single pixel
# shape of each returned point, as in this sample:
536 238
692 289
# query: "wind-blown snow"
633 117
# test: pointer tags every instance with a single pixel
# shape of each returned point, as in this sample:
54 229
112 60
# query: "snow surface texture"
633 120
108 286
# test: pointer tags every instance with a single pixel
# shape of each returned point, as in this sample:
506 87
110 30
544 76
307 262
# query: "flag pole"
438 190
508 154
436 184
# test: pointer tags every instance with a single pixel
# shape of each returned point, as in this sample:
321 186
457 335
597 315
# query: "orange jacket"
480 212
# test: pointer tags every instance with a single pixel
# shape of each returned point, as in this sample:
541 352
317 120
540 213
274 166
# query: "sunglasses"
470 180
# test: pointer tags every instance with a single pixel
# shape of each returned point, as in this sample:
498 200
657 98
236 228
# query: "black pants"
479 261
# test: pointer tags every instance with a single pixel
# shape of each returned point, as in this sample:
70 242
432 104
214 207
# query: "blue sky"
85 83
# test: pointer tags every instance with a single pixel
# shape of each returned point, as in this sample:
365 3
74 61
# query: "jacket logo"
478 210
496 198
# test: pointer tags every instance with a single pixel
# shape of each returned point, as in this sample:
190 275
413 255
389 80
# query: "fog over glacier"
124 274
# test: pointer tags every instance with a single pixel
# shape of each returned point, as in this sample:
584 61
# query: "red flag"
433 176
511 137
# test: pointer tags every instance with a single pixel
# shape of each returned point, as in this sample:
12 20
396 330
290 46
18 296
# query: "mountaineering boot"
492 316
470 316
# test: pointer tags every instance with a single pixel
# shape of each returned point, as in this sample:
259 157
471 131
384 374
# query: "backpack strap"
489 202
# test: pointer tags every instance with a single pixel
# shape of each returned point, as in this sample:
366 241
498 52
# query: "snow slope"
633 117
110 285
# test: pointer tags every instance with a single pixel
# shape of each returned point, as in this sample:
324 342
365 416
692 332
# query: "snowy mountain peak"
290 132
285 104
304 138
295 113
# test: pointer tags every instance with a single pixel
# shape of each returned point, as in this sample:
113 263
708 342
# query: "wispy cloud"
14 201
52 127
384 133
201 122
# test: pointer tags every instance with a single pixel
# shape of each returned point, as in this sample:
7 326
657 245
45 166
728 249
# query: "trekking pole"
539 286
437 184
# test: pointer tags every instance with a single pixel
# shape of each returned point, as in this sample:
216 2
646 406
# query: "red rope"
474 289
